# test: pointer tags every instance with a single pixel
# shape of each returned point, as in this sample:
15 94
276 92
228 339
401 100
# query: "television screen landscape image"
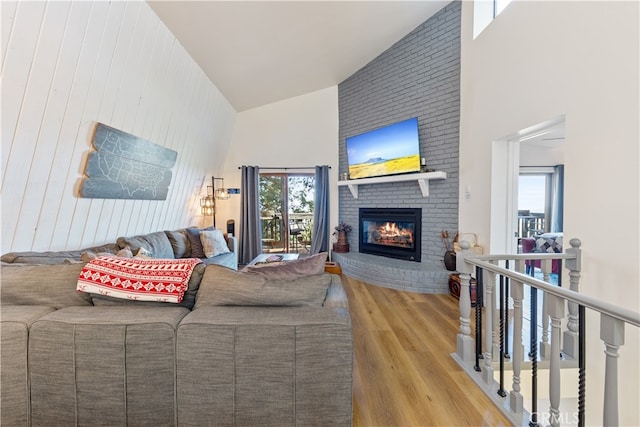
390 150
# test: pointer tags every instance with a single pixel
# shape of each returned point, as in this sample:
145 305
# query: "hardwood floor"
403 372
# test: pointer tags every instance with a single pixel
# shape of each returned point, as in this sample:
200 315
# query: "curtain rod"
288 167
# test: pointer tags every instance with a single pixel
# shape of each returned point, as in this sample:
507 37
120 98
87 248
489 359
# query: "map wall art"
124 166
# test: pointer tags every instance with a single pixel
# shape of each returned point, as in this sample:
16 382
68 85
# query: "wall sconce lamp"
208 203
220 193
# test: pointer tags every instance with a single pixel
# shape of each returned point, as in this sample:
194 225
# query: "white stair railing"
553 342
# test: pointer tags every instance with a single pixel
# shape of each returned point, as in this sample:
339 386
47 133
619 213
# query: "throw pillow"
125 253
290 270
156 242
144 253
213 243
87 256
193 235
224 286
179 243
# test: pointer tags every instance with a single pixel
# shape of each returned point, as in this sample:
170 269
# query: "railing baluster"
570 336
506 313
501 391
495 336
582 364
533 356
515 397
556 312
478 311
489 284
464 342
612 333
545 265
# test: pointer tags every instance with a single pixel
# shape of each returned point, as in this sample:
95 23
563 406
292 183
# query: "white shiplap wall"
68 65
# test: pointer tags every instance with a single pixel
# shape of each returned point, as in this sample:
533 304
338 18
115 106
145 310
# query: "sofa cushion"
290 270
229 260
273 366
48 285
104 365
158 243
549 243
223 286
179 243
213 243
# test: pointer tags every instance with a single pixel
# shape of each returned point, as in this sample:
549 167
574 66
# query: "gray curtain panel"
250 232
320 231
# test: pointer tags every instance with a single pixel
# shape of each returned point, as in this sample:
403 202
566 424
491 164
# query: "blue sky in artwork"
390 142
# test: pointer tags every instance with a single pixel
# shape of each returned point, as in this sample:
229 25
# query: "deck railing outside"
278 236
500 319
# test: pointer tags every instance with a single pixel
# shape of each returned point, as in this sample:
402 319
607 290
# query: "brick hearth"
422 277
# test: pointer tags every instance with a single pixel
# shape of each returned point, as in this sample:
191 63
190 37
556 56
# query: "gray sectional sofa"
248 349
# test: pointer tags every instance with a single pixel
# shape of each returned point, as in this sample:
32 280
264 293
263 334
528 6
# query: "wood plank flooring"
403 372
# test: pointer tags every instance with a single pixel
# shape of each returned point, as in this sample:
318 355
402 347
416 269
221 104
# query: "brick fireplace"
389 251
419 76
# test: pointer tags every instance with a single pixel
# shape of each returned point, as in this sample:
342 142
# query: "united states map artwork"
124 166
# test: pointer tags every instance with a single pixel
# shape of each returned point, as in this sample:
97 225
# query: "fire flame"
390 233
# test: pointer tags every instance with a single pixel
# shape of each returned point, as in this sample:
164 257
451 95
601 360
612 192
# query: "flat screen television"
390 150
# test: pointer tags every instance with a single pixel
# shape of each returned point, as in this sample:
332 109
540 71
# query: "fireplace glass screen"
399 234
391 232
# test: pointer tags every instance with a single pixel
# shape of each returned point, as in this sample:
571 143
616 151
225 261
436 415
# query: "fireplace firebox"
391 232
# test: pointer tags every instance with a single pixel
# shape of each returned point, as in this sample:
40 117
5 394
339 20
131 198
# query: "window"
484 12
539 201
286 211
532 192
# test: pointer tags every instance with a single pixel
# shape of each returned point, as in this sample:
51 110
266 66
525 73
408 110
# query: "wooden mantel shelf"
422 178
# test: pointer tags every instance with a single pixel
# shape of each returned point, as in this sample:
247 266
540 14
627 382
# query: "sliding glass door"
286 211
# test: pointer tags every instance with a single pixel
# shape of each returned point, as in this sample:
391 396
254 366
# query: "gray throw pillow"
224 286
193 235
179 243
158 243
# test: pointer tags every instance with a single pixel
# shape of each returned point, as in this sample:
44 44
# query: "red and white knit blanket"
164 280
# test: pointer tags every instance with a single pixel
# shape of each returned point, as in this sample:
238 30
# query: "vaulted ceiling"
259 52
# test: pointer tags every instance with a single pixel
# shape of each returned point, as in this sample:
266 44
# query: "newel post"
570 337
465 349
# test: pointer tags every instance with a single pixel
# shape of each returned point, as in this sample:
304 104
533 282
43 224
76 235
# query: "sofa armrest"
14 370
232 242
